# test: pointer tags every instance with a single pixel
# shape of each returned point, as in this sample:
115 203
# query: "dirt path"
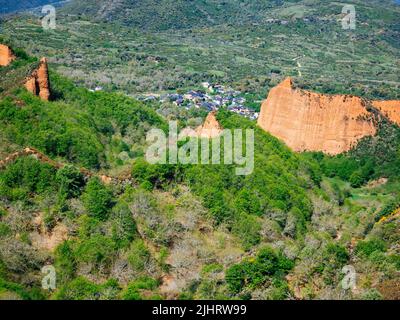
45 159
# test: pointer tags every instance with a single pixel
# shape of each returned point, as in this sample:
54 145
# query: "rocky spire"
287 83
6 55
38 83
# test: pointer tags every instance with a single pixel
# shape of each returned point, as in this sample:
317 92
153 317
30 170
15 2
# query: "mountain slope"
8 6
300 39
77 125
170 14
121 228
144 222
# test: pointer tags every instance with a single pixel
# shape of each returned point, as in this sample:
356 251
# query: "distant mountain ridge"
174 14
11 6
178 14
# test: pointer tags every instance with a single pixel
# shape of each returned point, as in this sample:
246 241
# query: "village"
212 98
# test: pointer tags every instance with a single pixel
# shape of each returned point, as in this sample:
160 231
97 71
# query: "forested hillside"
157 47
168 14
116 227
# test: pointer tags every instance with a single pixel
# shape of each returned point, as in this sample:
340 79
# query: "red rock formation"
106 180
308 121
390 109
6 55
210 129
38 83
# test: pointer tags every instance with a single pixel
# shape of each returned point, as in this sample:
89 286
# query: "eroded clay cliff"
211 128
6 55
308 121
390 109
38 83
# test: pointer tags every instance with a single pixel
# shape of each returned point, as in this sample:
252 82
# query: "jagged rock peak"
6 55
211 128
211 122
287 83
390 109
38 83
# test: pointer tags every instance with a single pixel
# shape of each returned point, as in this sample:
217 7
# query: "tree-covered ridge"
284 232
277 186
167 14
77 125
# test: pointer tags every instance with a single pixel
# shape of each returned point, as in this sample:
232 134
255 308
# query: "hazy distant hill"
177 14
166 14
245 47
10 6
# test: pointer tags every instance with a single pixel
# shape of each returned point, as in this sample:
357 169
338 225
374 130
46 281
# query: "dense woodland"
284 232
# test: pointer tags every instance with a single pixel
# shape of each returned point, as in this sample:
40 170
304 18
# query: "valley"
249 57
78 194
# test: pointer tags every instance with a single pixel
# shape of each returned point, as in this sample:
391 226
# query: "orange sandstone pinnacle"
308 121
38 83
390 109
211 128
6 55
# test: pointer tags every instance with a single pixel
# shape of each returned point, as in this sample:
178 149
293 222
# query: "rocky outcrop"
29 152
48 240
124 179
391 109
308 121
38 83
6 55
211 128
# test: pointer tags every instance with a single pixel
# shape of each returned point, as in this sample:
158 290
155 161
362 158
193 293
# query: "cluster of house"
98 88
285 22
212 98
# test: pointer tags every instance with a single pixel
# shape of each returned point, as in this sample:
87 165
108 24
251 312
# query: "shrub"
65 262
70 181
132 292
154 175
98 199
388 209
367 247
3 212
26 175
23 293
334 257
296 224
139 255
97 250
5 230
356 179
123 225
372 294
247 228
254 272
395 259
235 277
338 252
88 226
78 289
